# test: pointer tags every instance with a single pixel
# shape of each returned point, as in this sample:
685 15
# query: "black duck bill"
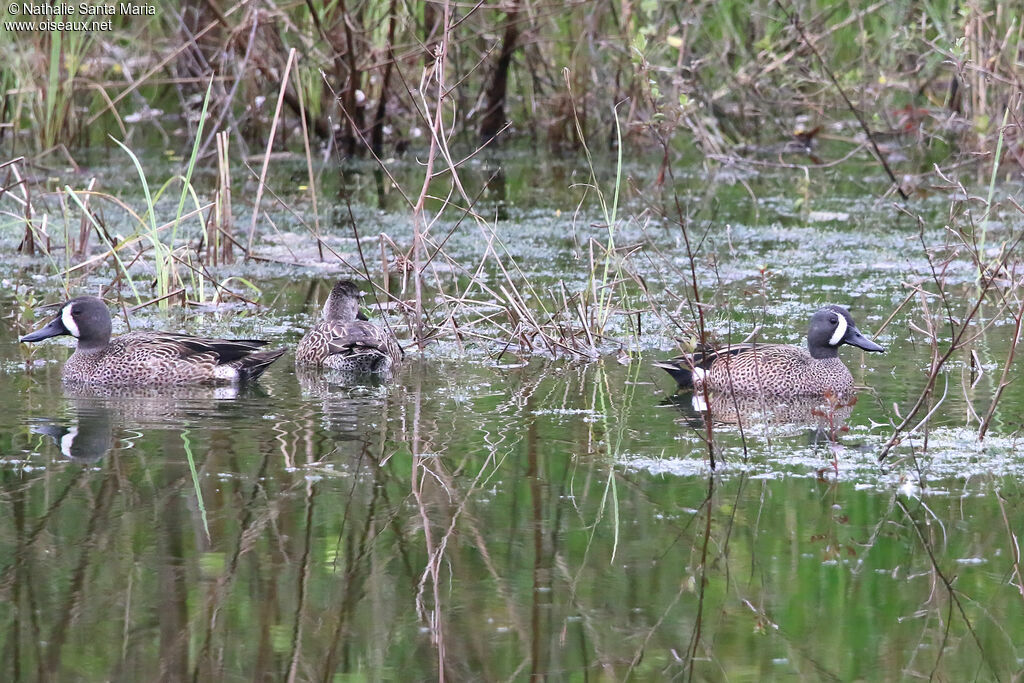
55 328
854 337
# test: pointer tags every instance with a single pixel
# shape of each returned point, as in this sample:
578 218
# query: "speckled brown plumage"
778 369
774 369
148 358
342 342
157 358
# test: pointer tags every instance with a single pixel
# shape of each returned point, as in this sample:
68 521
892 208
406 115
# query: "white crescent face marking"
69 322
67 441
840 332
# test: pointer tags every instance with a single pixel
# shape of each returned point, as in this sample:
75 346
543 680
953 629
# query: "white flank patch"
68 440
69 322
699 374
699 404
840 332
226 372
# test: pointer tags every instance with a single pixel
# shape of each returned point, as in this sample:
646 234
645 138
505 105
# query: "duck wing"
358 337
186 346
704 357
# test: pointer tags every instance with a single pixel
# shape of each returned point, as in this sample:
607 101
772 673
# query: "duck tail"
255 364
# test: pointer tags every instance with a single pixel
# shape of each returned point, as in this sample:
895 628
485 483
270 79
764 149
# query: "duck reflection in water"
825 416
86 440
821 418
100 418
354 407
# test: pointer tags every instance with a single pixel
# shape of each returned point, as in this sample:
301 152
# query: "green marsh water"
498 517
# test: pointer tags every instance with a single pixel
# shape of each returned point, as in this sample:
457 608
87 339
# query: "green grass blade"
195 481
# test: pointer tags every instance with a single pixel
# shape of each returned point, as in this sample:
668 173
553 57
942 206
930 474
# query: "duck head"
85 318
831 327
342 304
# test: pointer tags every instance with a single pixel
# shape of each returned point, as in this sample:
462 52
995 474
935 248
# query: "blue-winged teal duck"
778 369
148 358
345 340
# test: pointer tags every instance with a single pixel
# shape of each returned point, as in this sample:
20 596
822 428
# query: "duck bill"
855 338
54 329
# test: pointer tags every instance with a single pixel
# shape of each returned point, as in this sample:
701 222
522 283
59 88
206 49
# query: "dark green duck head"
85 318
831 327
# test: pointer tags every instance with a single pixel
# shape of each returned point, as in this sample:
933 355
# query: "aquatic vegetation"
526 494
722 76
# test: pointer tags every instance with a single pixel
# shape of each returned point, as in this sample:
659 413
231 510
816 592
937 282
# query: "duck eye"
834 320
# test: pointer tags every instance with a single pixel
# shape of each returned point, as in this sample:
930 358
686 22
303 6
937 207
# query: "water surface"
495 515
